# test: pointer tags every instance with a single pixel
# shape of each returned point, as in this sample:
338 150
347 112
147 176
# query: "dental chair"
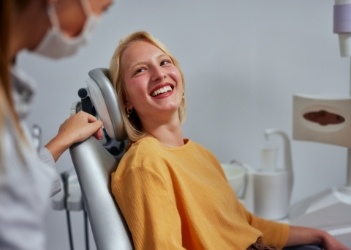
94 161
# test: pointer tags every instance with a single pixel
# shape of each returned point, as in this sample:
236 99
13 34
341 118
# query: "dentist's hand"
76 128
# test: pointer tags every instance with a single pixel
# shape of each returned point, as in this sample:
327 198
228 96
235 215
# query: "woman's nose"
158 74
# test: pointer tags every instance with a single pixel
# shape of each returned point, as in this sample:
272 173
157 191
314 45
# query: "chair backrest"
94 163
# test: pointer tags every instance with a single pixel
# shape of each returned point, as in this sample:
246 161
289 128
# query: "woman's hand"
310 236
329 242
75 129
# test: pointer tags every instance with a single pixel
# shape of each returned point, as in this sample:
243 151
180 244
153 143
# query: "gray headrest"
104 99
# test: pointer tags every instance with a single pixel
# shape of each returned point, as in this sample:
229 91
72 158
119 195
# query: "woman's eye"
165 62
139 70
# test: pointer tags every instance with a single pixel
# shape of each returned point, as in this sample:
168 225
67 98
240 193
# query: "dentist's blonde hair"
8 116
133 124
5 86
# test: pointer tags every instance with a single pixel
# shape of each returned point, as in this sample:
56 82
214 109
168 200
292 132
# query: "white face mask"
56 44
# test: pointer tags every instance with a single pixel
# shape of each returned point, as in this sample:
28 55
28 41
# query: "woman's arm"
75 129
306 236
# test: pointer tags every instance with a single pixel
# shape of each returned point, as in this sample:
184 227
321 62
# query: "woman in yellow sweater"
172 191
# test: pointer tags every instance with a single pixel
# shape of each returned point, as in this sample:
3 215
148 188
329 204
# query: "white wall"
242 59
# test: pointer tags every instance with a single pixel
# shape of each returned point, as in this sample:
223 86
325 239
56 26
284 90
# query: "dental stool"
94 161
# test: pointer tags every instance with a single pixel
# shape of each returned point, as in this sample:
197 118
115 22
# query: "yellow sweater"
179 198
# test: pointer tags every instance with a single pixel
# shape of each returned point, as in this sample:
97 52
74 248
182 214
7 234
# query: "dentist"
56 29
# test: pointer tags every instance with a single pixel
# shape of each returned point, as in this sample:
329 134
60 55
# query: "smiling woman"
172 191
158 80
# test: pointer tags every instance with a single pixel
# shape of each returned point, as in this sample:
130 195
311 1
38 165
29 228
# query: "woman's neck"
167 134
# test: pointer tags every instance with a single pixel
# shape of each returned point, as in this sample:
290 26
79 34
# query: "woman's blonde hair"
133 124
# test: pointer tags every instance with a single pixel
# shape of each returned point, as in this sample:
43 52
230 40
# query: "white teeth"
161 91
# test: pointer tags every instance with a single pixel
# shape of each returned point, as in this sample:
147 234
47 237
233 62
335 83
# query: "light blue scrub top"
27 179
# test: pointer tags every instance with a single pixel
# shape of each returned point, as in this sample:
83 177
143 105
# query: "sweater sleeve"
146 199
273 233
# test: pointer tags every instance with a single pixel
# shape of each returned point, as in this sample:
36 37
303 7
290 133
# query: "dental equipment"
327 120
265 188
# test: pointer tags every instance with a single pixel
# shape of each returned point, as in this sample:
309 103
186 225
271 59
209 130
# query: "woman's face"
153 83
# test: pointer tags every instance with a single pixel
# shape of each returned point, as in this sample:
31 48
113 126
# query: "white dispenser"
268 191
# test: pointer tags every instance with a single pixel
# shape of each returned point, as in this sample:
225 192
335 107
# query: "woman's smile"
162 91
